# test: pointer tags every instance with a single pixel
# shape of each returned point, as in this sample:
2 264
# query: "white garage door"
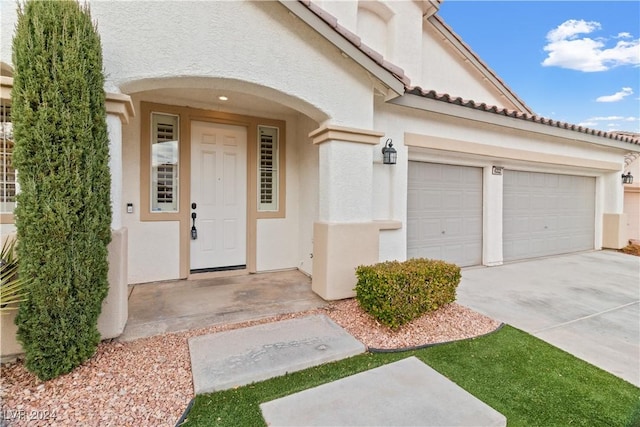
445 213
632 209
547 214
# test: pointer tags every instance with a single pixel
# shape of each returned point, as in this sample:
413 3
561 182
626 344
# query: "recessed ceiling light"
223 98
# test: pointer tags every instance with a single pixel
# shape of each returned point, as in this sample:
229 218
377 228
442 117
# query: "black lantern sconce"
389 154
627 179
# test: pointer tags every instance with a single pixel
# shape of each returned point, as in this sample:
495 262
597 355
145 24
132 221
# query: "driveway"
587 304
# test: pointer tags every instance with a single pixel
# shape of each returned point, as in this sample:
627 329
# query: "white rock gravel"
147 382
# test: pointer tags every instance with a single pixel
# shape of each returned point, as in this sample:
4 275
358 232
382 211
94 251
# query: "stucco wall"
396 30
397 122
308 158
234 40
445 71
153 252
277 239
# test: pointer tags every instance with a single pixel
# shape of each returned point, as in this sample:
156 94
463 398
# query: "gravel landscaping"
147 382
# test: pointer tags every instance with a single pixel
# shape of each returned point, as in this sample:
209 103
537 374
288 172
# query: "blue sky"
574 61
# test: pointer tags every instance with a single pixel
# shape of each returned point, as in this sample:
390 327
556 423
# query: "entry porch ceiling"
207 98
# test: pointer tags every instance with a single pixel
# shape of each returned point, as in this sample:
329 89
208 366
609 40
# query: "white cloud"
593 121
569 29
610 123
618 96
623 35
567 50
604 118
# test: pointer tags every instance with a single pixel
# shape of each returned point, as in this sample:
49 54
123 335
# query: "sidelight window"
164 162
8 173
268 169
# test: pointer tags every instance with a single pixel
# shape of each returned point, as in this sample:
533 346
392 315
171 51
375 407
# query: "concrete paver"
587 304
233 358
404 393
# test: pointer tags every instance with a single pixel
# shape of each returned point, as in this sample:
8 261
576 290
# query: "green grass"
529 381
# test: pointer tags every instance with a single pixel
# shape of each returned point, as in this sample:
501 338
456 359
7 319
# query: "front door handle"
194 231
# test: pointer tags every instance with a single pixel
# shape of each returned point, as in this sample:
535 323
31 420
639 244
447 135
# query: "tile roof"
355 40
398 73
481 106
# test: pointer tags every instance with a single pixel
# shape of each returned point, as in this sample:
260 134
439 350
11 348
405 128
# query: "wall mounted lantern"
627 179
389 154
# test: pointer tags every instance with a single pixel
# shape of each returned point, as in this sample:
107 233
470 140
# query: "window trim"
186 116
147 110
7 217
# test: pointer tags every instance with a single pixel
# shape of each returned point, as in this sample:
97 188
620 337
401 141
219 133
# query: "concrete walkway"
587 304
404 393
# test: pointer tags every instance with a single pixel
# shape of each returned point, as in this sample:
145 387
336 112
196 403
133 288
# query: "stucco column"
345 173
119 109
492 192
614 221
113 316
114 128
345 235
613 192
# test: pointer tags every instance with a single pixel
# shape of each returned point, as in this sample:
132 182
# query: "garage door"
547 214
632 209
445 213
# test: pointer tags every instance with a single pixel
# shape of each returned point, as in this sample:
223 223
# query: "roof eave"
324 29
530 123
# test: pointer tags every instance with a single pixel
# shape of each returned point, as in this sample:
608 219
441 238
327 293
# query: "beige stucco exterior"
315 77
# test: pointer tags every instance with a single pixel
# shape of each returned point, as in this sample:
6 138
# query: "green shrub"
395 292
63 211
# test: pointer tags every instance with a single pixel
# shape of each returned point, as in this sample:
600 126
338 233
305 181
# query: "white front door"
219 192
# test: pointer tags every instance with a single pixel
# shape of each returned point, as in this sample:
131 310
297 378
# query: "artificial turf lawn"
529 381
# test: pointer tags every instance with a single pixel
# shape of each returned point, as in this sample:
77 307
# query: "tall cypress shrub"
63 211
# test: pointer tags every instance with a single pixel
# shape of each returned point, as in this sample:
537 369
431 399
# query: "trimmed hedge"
63 211
396 292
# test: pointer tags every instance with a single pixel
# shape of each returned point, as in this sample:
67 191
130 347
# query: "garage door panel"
453 226
517 202
550 214
430 228
471 200
451 202
413 201
473 228
445 222
429 200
